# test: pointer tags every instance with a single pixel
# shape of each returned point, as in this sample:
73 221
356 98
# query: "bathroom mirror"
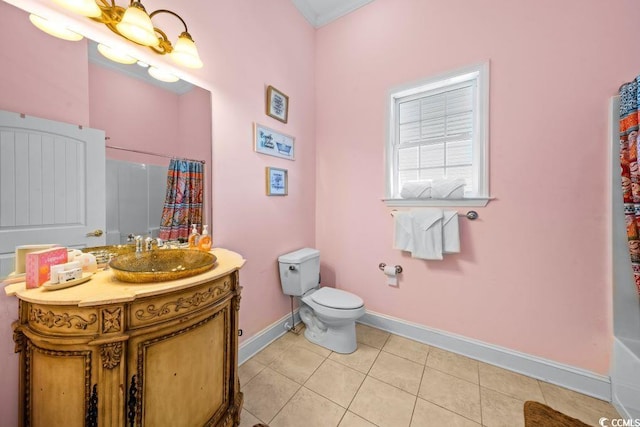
146 121
146 129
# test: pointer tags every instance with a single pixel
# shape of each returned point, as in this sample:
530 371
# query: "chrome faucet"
148 242
145 245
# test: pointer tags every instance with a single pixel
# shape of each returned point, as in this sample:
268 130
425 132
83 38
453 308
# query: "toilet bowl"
329 314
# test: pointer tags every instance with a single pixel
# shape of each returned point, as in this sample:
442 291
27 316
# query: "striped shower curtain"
629 171
183 200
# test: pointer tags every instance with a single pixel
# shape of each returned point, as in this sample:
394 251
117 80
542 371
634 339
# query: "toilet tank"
299 271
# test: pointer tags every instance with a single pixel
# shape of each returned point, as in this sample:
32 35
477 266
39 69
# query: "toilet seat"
336 299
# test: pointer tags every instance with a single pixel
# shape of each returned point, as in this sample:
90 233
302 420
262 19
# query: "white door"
52 185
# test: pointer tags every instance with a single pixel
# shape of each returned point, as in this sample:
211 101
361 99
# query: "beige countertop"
104 288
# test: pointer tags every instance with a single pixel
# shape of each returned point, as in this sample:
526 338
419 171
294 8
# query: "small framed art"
268 141
277 104
276 180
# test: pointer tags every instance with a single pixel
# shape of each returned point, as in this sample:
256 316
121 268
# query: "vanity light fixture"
55 29
162 75
83 7
116 55
134 24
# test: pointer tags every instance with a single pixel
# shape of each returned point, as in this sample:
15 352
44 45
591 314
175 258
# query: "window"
439 129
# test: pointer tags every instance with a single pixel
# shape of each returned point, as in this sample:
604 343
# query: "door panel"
69 388
183 374
52 181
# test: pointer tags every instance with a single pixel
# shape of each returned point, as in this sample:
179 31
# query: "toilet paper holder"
382 265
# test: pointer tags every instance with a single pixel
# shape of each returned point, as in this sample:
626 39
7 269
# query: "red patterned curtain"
183 200
629 171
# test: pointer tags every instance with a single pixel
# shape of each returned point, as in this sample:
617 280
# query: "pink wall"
533 274
253 45
245 46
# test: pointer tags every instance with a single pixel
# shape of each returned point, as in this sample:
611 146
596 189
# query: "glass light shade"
137 27
185 52
83 7
162 75
54 29
116 55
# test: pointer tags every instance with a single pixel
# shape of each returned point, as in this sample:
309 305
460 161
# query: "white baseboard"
577 379
253 345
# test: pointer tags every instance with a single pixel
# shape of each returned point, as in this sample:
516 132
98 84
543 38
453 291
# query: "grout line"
285 403
480 396
253 377
544 397
424 368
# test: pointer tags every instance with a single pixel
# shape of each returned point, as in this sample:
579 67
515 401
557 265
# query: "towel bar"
470 215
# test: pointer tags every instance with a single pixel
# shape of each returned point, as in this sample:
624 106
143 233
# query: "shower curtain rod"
113 147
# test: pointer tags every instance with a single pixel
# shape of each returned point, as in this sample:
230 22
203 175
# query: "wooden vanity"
110 353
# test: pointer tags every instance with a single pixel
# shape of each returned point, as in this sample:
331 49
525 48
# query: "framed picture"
277 104
268 141
276 181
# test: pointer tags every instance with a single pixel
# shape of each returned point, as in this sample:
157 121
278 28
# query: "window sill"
468 202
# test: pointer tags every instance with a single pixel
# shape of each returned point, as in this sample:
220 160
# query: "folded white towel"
427 234
416 190
403 238
450 233
448 188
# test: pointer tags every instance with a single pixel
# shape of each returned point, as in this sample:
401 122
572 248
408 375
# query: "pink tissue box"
38 265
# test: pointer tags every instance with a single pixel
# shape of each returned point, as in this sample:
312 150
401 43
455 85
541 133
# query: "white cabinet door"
52 185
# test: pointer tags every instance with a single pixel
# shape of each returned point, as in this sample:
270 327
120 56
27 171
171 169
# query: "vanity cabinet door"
60 385
179 372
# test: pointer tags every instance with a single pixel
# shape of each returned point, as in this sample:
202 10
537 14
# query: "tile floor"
391 381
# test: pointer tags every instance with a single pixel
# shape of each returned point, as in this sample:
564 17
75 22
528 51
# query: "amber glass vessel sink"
161 265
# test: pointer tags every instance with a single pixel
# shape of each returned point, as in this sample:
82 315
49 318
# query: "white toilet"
329 314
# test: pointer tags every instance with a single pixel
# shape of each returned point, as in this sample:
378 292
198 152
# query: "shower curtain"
629 171
183 200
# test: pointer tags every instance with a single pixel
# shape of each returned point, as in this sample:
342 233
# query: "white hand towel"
450 233
448 189
427 234
403 239
416 190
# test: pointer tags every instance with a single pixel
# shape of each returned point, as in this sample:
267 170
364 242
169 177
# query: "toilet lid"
335 298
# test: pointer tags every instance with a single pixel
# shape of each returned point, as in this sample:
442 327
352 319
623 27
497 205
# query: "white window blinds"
434 134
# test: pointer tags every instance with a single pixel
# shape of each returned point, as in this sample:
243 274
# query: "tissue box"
38 265
21 255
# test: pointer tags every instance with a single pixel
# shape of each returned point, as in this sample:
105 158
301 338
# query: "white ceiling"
321 12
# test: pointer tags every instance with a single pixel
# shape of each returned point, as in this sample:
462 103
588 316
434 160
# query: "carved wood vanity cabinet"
109 353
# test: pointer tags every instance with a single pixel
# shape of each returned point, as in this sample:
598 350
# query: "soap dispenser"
205 240
194 237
